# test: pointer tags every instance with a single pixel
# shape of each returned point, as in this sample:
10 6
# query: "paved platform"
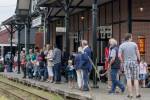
100 93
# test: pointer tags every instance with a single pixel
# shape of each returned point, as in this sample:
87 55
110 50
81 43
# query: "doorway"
102 44
59 42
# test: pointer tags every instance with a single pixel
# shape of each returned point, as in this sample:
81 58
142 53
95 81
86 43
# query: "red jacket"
106 58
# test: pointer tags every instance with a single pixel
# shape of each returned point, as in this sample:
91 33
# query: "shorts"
142 76
50 71
71 77
131 69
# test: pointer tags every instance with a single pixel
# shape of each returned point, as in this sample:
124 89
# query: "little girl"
70 73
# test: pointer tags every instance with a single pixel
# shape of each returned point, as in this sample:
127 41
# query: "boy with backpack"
114 64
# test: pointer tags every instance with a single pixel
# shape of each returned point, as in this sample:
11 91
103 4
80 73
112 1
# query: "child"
143 72
70 73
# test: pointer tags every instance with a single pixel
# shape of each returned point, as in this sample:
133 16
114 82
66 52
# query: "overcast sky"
7 9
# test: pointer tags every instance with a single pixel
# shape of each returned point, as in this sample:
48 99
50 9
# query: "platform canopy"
9 21
75 6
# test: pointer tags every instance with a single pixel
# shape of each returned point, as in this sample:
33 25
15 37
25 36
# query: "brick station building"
4 42
124 16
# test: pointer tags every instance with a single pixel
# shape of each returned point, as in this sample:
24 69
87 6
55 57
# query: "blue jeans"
43 72
57 72
29 72
116 82
85 79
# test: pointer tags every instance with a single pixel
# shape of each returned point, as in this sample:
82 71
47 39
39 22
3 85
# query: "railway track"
25 92
19 93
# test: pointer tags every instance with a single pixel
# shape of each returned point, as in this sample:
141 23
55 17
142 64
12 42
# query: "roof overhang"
9 21
57 11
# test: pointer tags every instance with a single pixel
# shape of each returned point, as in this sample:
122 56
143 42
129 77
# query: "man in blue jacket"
86 65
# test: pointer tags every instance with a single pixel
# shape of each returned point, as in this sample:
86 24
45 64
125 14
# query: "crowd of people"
124 60
47 65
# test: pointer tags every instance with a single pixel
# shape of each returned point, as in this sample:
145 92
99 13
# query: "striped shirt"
57 56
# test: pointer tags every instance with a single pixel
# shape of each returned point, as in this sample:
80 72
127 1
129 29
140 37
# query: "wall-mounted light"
82 17
141 6
141 9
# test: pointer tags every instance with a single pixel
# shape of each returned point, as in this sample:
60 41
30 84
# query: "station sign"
60 29
105 31
37 21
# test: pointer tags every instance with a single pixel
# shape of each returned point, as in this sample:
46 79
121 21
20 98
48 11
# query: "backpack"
116 64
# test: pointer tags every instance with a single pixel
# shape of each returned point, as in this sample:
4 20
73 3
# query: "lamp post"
22 12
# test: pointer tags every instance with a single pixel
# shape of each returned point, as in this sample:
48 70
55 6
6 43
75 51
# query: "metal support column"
19 50
2 51
129 16
44 32
66 38
94 25
25 42
28 35
48 30
82 29
112 16
79 36
119 22
11 50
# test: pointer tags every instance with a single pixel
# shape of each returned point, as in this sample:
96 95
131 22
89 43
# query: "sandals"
129 96
138 96
48 81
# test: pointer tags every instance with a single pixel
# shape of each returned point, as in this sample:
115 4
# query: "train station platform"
100 93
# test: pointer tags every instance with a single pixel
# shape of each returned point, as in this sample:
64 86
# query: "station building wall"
108 15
